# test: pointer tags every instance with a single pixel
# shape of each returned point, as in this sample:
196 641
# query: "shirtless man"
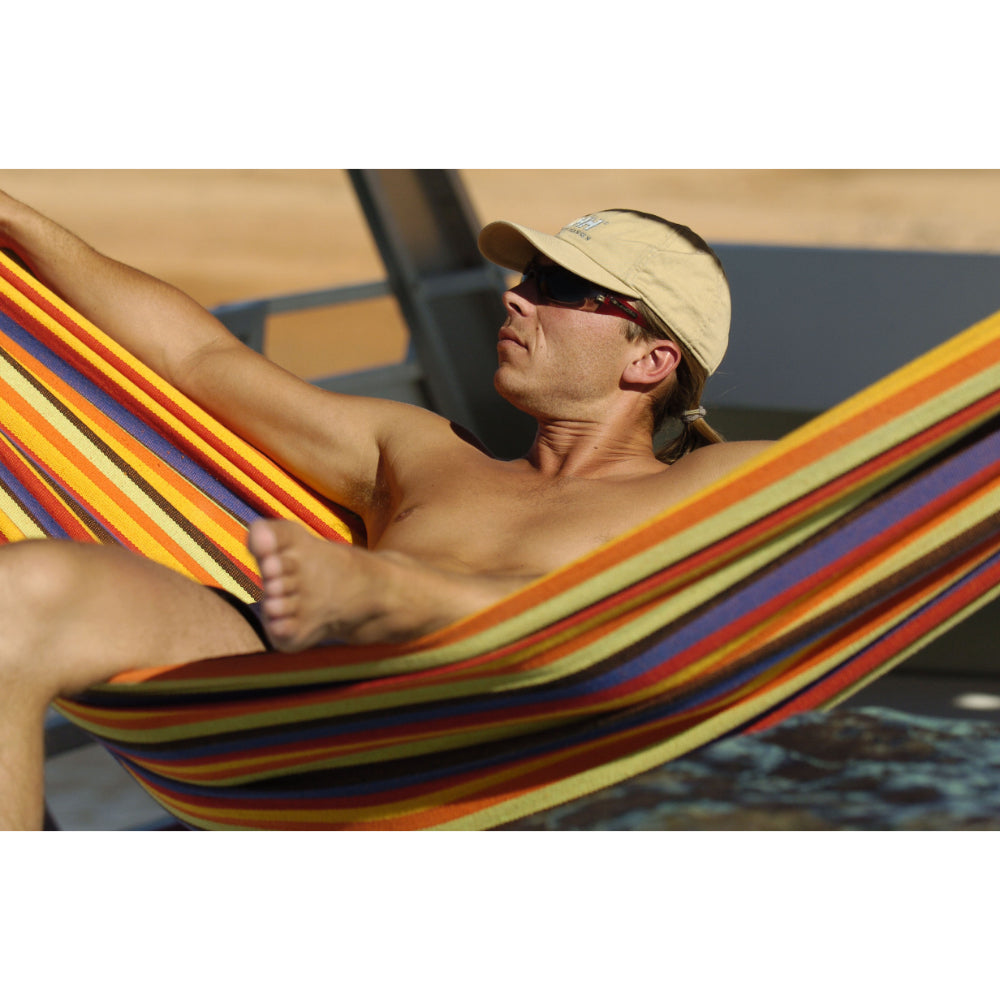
450 529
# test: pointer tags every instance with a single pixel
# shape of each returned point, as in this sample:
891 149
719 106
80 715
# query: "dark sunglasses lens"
563 286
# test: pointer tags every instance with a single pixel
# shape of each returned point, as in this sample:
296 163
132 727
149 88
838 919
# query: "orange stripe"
131 450
235 462
224 531
87 482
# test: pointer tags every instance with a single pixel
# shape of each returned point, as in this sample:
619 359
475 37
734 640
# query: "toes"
276 559
276 578
279 607
281 620
262 539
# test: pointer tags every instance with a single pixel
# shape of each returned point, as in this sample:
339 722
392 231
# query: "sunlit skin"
450 529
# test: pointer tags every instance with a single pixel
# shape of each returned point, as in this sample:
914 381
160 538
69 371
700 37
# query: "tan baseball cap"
641 256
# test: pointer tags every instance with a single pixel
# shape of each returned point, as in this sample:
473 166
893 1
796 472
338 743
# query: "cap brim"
512 246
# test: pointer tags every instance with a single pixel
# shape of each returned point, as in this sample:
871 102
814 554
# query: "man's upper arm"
333 442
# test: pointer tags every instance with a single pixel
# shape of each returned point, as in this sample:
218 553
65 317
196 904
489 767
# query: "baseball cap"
661 263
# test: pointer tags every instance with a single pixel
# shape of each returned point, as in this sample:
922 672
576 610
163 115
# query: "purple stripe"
27 499
130 423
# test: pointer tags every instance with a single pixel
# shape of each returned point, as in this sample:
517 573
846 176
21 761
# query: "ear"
657 360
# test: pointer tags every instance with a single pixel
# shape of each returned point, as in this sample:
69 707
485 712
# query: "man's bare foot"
302 578
316 590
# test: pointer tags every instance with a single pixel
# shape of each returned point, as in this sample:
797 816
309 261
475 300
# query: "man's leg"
72 615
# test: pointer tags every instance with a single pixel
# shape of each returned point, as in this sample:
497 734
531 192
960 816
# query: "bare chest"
487 518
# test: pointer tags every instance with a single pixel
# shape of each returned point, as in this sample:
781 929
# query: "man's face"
557 361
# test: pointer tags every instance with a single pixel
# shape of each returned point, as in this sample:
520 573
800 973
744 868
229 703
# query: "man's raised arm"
331 441
153 320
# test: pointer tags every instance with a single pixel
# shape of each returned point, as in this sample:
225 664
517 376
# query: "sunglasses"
564 288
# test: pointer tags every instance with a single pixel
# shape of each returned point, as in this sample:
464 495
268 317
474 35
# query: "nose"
520 299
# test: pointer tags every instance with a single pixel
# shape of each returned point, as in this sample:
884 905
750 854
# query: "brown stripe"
196 536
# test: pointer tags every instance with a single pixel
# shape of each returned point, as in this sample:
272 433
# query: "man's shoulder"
707 464
727 455
412 432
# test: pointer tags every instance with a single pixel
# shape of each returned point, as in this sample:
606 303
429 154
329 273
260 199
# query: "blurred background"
225 235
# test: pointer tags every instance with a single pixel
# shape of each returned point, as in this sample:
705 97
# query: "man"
618 319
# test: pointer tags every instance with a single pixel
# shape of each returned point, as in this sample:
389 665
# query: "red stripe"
892 644
265 492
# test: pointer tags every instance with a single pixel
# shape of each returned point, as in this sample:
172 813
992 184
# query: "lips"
507 337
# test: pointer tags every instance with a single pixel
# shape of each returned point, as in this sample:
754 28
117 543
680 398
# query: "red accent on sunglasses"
605 300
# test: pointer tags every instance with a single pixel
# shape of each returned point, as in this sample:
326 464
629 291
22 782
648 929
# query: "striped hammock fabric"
784 587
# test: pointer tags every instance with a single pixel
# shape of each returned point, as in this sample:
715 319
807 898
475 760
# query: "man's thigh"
80 613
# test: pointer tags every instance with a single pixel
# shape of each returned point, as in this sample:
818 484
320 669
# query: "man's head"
637 256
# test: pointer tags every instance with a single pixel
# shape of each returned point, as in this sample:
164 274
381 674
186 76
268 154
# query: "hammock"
785 587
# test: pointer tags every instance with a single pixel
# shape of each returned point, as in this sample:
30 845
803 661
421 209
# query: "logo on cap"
583 224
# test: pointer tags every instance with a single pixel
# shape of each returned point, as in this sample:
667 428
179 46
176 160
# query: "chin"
502 383
506 385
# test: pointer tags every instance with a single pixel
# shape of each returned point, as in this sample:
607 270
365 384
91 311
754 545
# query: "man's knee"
41 585
37 577
73 614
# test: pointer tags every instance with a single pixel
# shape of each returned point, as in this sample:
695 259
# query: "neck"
591 451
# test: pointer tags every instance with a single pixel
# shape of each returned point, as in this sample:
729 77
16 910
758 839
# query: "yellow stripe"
66 466
91 491
263 467
12 530
149 467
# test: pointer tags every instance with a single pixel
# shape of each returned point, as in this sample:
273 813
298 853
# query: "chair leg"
50 823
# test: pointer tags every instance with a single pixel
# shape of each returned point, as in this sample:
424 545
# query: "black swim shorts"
250 613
